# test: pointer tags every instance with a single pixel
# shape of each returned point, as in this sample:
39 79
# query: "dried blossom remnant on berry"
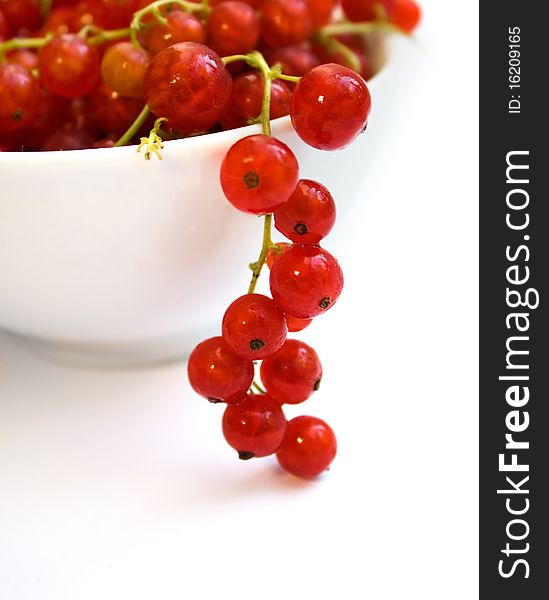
257 344
246 455
17 115
301 229
251 180
316 386
325 302
215 400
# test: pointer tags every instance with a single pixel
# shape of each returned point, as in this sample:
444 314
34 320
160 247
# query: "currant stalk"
362 27
45 8
134 128
256 60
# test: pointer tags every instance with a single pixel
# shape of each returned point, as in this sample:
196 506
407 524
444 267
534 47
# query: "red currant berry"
293 60
275 251
217 373
254 327
82 16
51 117
188 84
367 10
258 174
19 97
59 21
285 22
407 15
309 214
123 69
255 427
69 139
295 324
306 281
110 112
112 14
320 11
330 107
293 373
21 15
309 447
69 66
25 58
233 28
4 29
179 27
247 98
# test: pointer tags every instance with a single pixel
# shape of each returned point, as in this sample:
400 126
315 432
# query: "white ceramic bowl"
108 259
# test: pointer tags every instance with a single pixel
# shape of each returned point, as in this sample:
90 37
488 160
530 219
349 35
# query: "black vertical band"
514 331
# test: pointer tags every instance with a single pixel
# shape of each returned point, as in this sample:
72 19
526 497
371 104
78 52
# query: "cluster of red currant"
194 64
259 175
91 73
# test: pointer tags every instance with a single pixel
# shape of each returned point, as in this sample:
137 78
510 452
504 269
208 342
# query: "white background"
119 485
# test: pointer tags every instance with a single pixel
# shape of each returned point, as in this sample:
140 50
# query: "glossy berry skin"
254 327
275 252
406 15
320 11
217 373
112 14
285 22
255 427
21 15
365 10
59 21
292 374
188 84
111 112
19 97
258 174
247 98
330 107
123 69
180 27
306 281
233 28
295 324
25 58
308 215
294 60
308 448
69 66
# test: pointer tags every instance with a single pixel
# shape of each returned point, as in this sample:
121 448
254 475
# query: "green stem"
256 60
134 127
335 46
153 9
16 43
45 9
291 78
108 36
360 28
258 388
266 245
